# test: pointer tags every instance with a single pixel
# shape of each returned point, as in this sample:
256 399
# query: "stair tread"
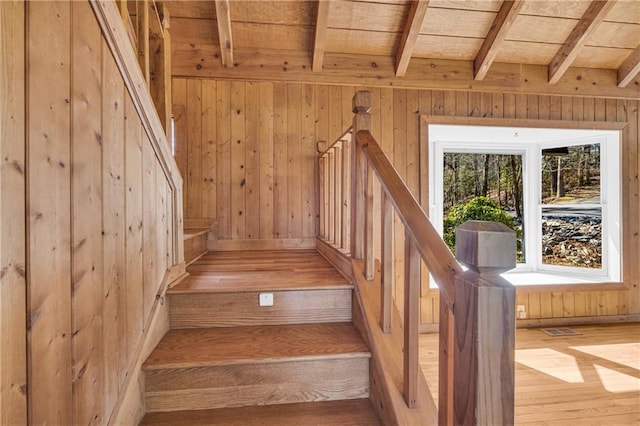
328 413
222 272
186 348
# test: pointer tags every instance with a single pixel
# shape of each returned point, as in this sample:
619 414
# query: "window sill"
545 281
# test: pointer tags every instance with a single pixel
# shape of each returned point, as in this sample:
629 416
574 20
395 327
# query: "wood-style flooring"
354 412
248 271
589 379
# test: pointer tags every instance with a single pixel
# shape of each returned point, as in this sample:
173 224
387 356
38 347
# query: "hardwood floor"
356 412
589 379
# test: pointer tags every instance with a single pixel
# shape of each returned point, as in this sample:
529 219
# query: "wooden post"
337 194
368 223
143 38
361 121
484 325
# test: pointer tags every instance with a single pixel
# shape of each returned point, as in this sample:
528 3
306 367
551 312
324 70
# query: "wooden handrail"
434 252
477 339
345 137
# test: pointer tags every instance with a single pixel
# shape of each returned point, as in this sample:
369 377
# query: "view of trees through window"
485 186
497 178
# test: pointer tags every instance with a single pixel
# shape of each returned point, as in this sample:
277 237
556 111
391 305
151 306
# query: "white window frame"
530 148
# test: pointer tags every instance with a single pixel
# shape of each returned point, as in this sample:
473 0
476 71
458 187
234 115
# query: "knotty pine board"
13 292
100 225
394 123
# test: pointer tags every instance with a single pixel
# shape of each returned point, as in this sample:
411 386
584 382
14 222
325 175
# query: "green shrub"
478 208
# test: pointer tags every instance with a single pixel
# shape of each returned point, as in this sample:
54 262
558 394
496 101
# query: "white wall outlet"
266 299
521 312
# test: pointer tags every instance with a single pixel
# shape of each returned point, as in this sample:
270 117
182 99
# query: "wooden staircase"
227 360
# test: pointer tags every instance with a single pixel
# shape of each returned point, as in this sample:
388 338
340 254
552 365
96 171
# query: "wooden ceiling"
310 36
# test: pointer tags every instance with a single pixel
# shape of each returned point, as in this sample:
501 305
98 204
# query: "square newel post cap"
486 246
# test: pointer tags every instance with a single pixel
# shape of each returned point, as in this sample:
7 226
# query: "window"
560 186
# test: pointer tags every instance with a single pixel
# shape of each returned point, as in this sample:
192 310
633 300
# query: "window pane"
572 236
571 174
483 187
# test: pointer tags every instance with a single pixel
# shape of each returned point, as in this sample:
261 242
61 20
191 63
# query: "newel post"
361 121
484 325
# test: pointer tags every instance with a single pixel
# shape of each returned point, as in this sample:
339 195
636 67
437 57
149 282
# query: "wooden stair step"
354 412
255 344
195 244
198 369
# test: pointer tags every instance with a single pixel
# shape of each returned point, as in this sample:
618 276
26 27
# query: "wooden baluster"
484 325
346 194
332 198
369 261
411 319
325 205
361 121
445 365
386 240
143 38
322 196
337 194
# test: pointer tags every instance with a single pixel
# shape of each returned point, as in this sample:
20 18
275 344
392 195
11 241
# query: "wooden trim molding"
524 122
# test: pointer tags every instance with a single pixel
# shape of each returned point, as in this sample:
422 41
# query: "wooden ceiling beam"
629 69
417 10
223 18
322 22
565 56
495 37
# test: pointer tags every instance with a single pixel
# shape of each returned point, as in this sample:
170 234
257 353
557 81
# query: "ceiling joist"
565 56
495 37
322 21
629 69
223 18
418 9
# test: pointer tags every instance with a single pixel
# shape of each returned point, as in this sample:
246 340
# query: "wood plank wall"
97 233
13 344
269 147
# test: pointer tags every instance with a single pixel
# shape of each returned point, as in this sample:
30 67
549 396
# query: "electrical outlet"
521 312
266 299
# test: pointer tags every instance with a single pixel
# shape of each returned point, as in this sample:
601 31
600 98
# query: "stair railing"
477 307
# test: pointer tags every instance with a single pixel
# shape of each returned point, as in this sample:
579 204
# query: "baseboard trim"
276 244
340 260
557 322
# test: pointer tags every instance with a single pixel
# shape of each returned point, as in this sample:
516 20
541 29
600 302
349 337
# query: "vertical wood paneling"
238 170
223 155
252 161
88 308
13 348
115 289
133 309
49 200
181 126
280 220
308 163
193 177
265 144
294 163
91 199
209 157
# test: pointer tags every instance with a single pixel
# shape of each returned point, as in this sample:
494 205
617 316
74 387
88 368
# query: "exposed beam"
322 20
379 71
410 34
629 69
223 18
565 56
495 37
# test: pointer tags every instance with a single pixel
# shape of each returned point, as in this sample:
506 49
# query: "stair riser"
257 384
194 247
237 309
